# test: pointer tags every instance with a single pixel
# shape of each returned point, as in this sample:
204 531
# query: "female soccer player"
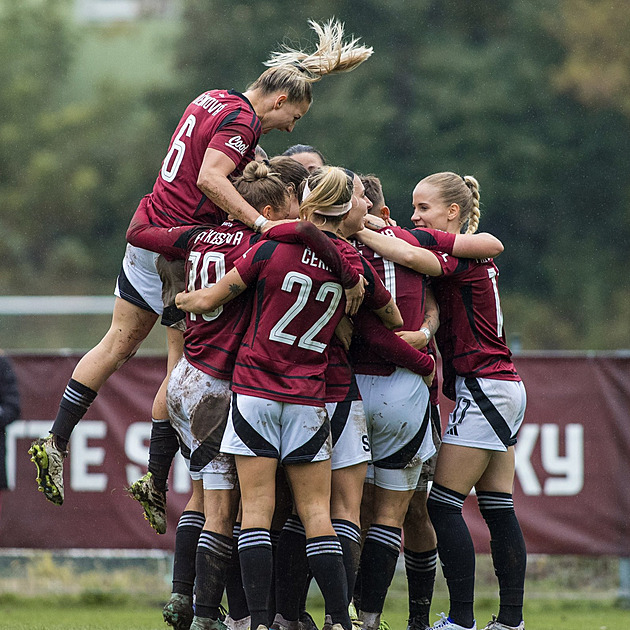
214 139
478 445
278 408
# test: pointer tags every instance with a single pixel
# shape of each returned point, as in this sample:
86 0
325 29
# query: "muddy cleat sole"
152 500
48 460
178 612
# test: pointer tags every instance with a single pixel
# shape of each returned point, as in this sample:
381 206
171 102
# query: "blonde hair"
260 186
293 70
462 190
329 186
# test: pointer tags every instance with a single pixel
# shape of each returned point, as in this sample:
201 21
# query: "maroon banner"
572 459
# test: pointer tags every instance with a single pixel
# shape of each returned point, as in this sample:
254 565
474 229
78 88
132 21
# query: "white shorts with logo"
350 441
198 406
399 426
294 434
488 413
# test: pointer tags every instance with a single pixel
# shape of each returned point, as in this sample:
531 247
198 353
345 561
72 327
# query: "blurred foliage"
529 96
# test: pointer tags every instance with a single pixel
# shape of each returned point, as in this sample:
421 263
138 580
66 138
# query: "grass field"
563 593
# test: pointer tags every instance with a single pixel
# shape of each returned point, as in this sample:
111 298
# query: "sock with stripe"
186 539
456 551
163 447
256 558
291 568
75 402
378 564
274 534
325 557
509 555
420 567
349 536
237 603
214 553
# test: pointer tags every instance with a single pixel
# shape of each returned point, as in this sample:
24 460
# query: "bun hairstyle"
260 186
289 171
293 70
328 192
462 190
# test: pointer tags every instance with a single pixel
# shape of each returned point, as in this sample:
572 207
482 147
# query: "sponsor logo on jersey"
236 142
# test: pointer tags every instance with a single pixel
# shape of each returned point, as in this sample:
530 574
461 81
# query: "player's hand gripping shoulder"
208 299
354 296
429 379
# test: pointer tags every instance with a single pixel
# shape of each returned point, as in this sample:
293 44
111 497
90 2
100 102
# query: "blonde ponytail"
294 70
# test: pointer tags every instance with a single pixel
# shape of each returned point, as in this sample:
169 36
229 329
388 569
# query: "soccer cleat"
307 622
237 624
152 500
49 462
445 623
203 623
383 625
414 623
280 623
178 612
495 625
357 624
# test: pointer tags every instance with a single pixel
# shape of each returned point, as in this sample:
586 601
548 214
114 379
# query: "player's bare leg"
130 326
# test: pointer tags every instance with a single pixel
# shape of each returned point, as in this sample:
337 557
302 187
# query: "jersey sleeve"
307 234
390 346
234 137
452 265
170 242
435 240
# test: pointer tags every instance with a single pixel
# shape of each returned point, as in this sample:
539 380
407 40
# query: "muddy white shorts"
198 406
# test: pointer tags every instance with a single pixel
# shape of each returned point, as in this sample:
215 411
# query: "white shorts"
139 281
399 427
294 434
488 413
198 406
350 441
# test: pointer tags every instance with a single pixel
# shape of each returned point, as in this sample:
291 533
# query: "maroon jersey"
470 338
219 119
296 307
407 287
340 382
211 340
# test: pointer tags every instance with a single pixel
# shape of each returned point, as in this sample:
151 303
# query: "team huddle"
303 328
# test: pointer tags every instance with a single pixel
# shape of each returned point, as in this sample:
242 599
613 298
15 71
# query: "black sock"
509 555
274 534
214 553
256 557
325 557
162 449
76 400
237 603
291 569
420 568
349 536
186 539
378 565
456 551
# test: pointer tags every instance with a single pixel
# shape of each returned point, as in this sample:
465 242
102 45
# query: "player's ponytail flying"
294 70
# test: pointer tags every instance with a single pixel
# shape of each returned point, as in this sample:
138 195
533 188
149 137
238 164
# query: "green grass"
95 610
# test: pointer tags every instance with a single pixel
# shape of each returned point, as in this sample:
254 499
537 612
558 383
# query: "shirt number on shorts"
203 274
305 284
177 150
